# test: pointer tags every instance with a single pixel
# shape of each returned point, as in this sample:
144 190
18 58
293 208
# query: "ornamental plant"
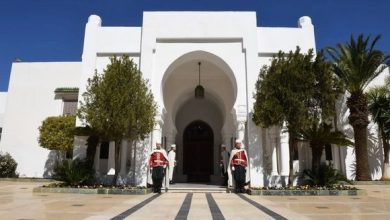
57 133
7 166
73 172
325 175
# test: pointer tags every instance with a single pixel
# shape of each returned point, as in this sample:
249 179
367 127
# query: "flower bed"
93 189
337 190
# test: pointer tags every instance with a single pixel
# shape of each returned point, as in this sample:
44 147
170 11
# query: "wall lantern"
199 90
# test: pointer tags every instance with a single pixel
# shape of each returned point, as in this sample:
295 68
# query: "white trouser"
171 168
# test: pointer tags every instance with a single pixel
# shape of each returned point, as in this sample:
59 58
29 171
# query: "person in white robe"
171 162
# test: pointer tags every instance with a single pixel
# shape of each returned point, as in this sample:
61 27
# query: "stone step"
196 190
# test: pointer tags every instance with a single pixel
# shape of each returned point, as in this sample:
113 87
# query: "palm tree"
318 135
379 107
357 63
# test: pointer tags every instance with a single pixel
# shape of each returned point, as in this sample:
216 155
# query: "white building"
167 48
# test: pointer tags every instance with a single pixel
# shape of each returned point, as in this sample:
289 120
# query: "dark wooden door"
198 151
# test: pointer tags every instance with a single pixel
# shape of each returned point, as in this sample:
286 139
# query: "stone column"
274 171
273 142
156 134
273 137
124 145
111 159
96 161
284 153
285 157
241 130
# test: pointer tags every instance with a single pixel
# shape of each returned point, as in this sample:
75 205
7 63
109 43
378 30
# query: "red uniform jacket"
157 159
239 159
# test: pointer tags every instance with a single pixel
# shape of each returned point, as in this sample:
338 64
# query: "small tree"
118 104
57 133
296 89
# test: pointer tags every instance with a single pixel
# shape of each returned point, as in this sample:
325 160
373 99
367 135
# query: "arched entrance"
181 109
198 145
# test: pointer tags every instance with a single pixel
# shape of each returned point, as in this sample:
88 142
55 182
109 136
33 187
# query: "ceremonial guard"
157 163
172 162
225 155
238 164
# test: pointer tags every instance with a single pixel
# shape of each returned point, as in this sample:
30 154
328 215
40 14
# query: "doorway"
198 142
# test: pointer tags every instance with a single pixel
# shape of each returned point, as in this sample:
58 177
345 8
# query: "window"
104 147
70 107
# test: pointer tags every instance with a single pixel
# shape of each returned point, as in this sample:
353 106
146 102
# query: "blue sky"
53 30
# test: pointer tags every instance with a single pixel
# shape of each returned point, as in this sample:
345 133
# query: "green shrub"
73 172
7 166
326 176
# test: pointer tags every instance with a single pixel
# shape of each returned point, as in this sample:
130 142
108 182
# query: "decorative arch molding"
199 55
171 108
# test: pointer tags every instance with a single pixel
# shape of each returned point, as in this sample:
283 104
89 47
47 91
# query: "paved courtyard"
18 202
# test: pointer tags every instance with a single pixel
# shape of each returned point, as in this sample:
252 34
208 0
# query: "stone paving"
17 201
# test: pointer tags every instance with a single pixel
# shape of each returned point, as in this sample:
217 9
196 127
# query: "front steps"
195 188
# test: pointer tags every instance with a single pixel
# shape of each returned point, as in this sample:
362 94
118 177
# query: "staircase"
195 188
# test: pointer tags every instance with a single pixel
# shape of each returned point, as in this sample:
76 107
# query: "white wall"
119 40
3 104
30 101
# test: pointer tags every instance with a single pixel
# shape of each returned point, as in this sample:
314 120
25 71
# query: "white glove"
165 166
232 168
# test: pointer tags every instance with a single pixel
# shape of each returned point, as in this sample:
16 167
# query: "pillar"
273 136
111 159
241 130
96 161
274 158
284 153
124 145
156 134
